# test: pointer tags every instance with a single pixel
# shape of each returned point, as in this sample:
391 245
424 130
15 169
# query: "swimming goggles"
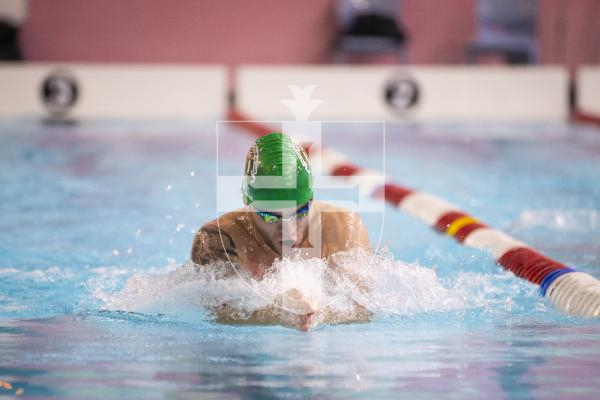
272 217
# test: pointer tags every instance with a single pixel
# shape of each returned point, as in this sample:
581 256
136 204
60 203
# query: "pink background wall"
279 31
570 32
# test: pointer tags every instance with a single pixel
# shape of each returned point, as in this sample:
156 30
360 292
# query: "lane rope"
585 118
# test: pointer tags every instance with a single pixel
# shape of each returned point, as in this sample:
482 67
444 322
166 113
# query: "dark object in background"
369 28
9 42
376 25
506 28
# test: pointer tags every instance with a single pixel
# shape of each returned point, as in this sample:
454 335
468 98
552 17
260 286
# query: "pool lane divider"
585 118
576 293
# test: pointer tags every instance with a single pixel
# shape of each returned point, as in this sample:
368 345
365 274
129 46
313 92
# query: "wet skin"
249 242
289 232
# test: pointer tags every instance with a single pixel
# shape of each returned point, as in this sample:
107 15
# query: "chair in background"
369 27
9 42
506 28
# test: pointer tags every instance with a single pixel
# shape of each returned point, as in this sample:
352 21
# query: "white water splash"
378 284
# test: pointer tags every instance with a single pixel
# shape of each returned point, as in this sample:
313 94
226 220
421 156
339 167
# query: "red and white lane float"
576 293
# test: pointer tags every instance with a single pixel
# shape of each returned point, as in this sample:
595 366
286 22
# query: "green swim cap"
280 157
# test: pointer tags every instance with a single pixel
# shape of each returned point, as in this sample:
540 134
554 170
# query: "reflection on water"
113 355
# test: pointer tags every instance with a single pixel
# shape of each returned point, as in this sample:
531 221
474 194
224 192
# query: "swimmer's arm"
358 238
273 314
225 314
212 245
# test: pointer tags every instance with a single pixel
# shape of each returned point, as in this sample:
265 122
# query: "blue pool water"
97 300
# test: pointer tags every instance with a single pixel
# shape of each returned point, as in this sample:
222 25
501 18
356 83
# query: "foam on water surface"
378 283
349 287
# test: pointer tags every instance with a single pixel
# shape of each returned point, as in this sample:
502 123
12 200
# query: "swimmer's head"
277 173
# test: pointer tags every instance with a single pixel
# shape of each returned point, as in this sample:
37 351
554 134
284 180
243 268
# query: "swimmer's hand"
297 309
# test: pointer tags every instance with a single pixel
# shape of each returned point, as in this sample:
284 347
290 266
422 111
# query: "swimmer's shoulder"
214 240
342 226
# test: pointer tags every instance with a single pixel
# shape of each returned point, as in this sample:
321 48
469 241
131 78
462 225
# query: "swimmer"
279 218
